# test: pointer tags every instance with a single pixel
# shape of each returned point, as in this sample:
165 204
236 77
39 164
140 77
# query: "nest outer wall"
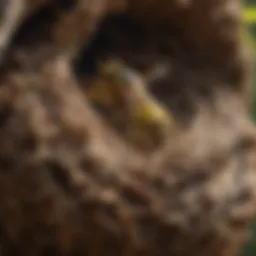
70 186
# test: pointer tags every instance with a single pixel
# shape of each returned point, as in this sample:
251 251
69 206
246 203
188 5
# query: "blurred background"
250 37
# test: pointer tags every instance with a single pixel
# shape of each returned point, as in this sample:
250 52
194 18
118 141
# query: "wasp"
120 93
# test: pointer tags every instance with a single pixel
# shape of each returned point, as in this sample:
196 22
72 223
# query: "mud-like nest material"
70 186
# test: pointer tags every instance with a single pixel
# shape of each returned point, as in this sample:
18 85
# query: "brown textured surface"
70 186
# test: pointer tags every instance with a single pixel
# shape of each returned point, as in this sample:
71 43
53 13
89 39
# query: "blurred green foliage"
250 33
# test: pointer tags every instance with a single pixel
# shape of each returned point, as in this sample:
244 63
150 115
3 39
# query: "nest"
69 185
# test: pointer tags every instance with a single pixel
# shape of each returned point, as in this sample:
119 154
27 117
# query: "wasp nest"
124 128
